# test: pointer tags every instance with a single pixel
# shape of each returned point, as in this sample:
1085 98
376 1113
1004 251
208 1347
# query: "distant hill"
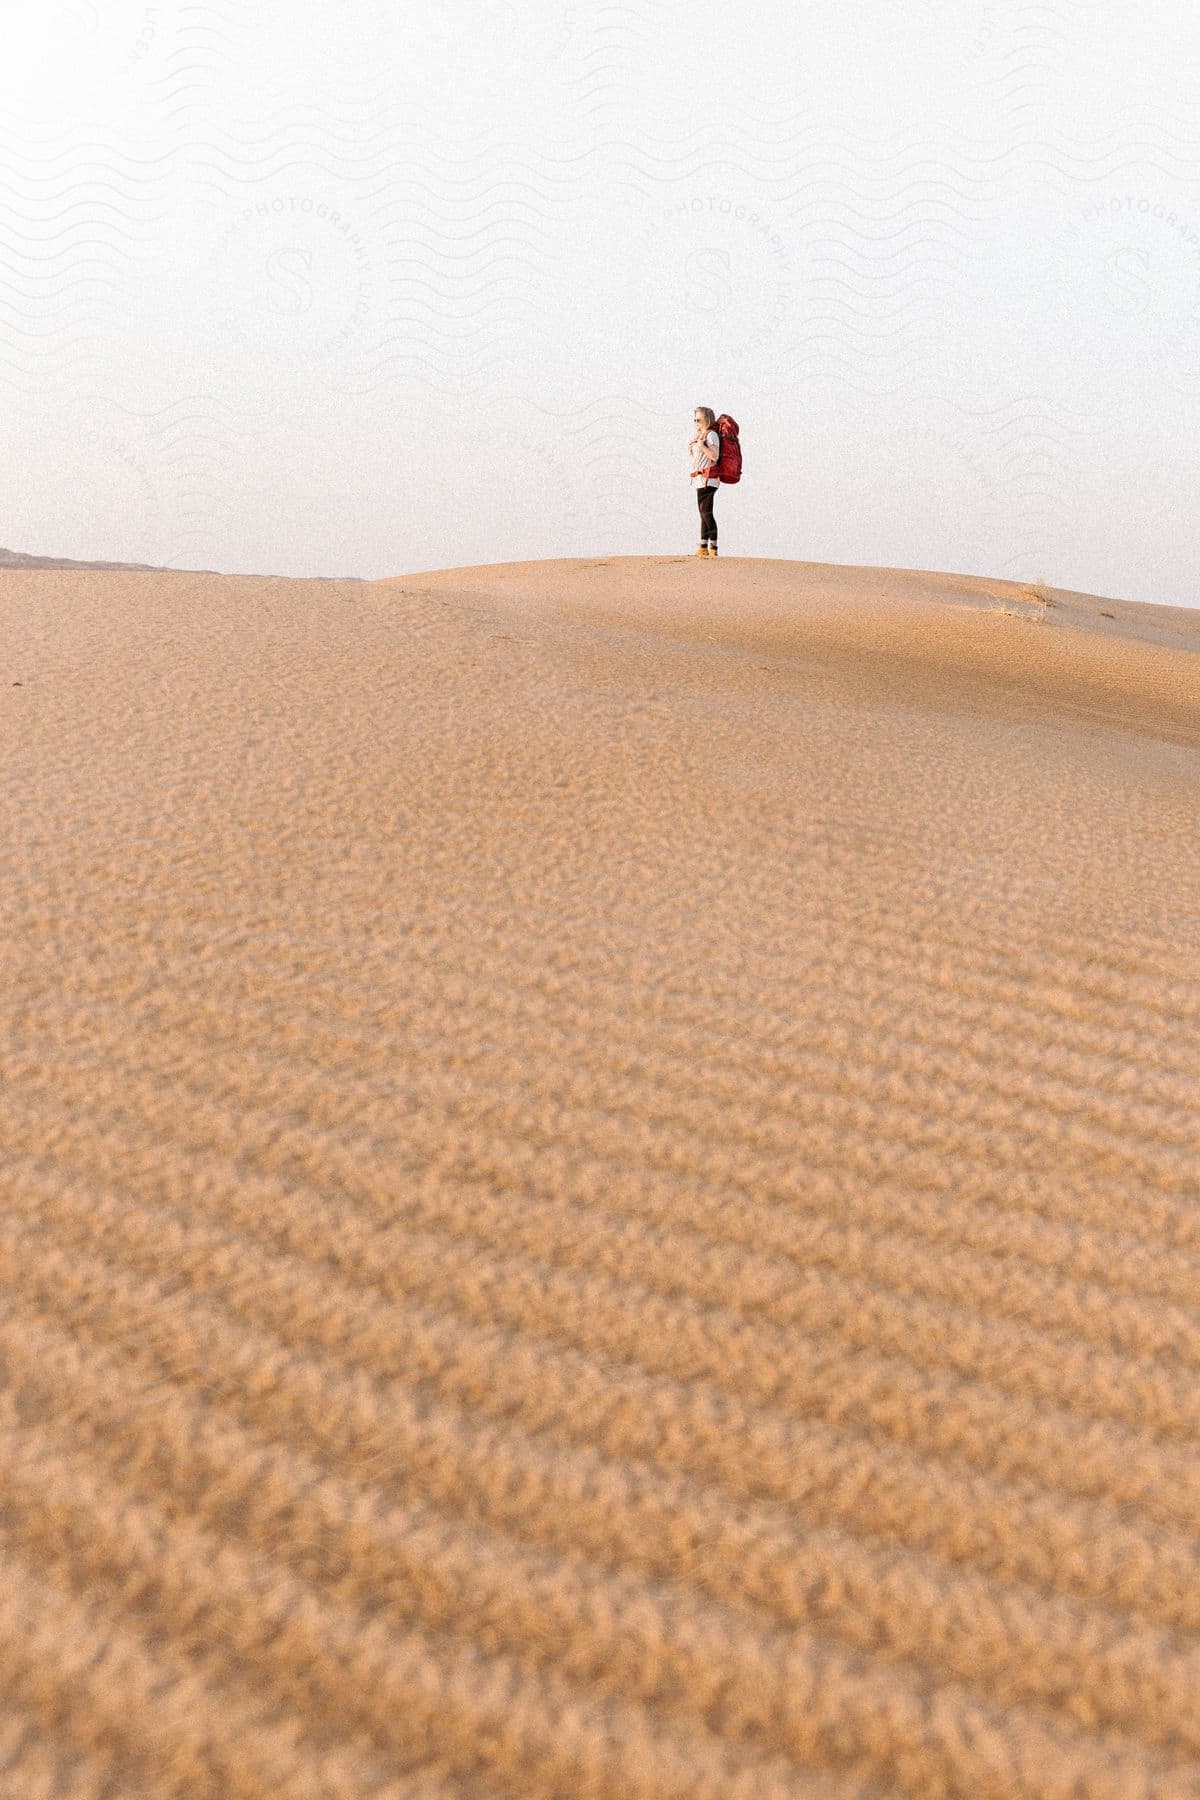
17 559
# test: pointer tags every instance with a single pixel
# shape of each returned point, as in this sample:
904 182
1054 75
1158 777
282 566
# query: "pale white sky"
369 289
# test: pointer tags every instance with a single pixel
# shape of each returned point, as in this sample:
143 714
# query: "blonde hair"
709 414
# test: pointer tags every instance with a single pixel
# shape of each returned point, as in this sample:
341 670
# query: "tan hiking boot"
703 550
712 549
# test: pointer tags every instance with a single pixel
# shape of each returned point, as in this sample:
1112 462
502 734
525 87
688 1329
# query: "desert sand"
599 1186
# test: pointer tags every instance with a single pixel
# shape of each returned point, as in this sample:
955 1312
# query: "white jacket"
705 455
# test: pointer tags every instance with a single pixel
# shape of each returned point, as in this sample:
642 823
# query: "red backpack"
728 467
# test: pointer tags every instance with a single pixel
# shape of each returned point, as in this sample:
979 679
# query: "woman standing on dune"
705 450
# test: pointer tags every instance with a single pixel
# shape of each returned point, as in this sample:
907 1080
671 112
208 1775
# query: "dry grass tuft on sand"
598 1186
1031 602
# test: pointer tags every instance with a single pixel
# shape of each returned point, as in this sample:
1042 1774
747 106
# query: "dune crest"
598 1186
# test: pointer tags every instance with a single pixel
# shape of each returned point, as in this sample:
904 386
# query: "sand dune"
599 1186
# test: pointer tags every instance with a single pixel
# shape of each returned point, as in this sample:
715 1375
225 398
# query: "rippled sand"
599 1186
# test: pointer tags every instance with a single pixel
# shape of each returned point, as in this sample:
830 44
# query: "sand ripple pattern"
598 1189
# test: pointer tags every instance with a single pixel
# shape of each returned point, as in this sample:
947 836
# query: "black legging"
708 525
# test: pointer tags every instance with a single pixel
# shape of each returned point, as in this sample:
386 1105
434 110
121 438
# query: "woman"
705 449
